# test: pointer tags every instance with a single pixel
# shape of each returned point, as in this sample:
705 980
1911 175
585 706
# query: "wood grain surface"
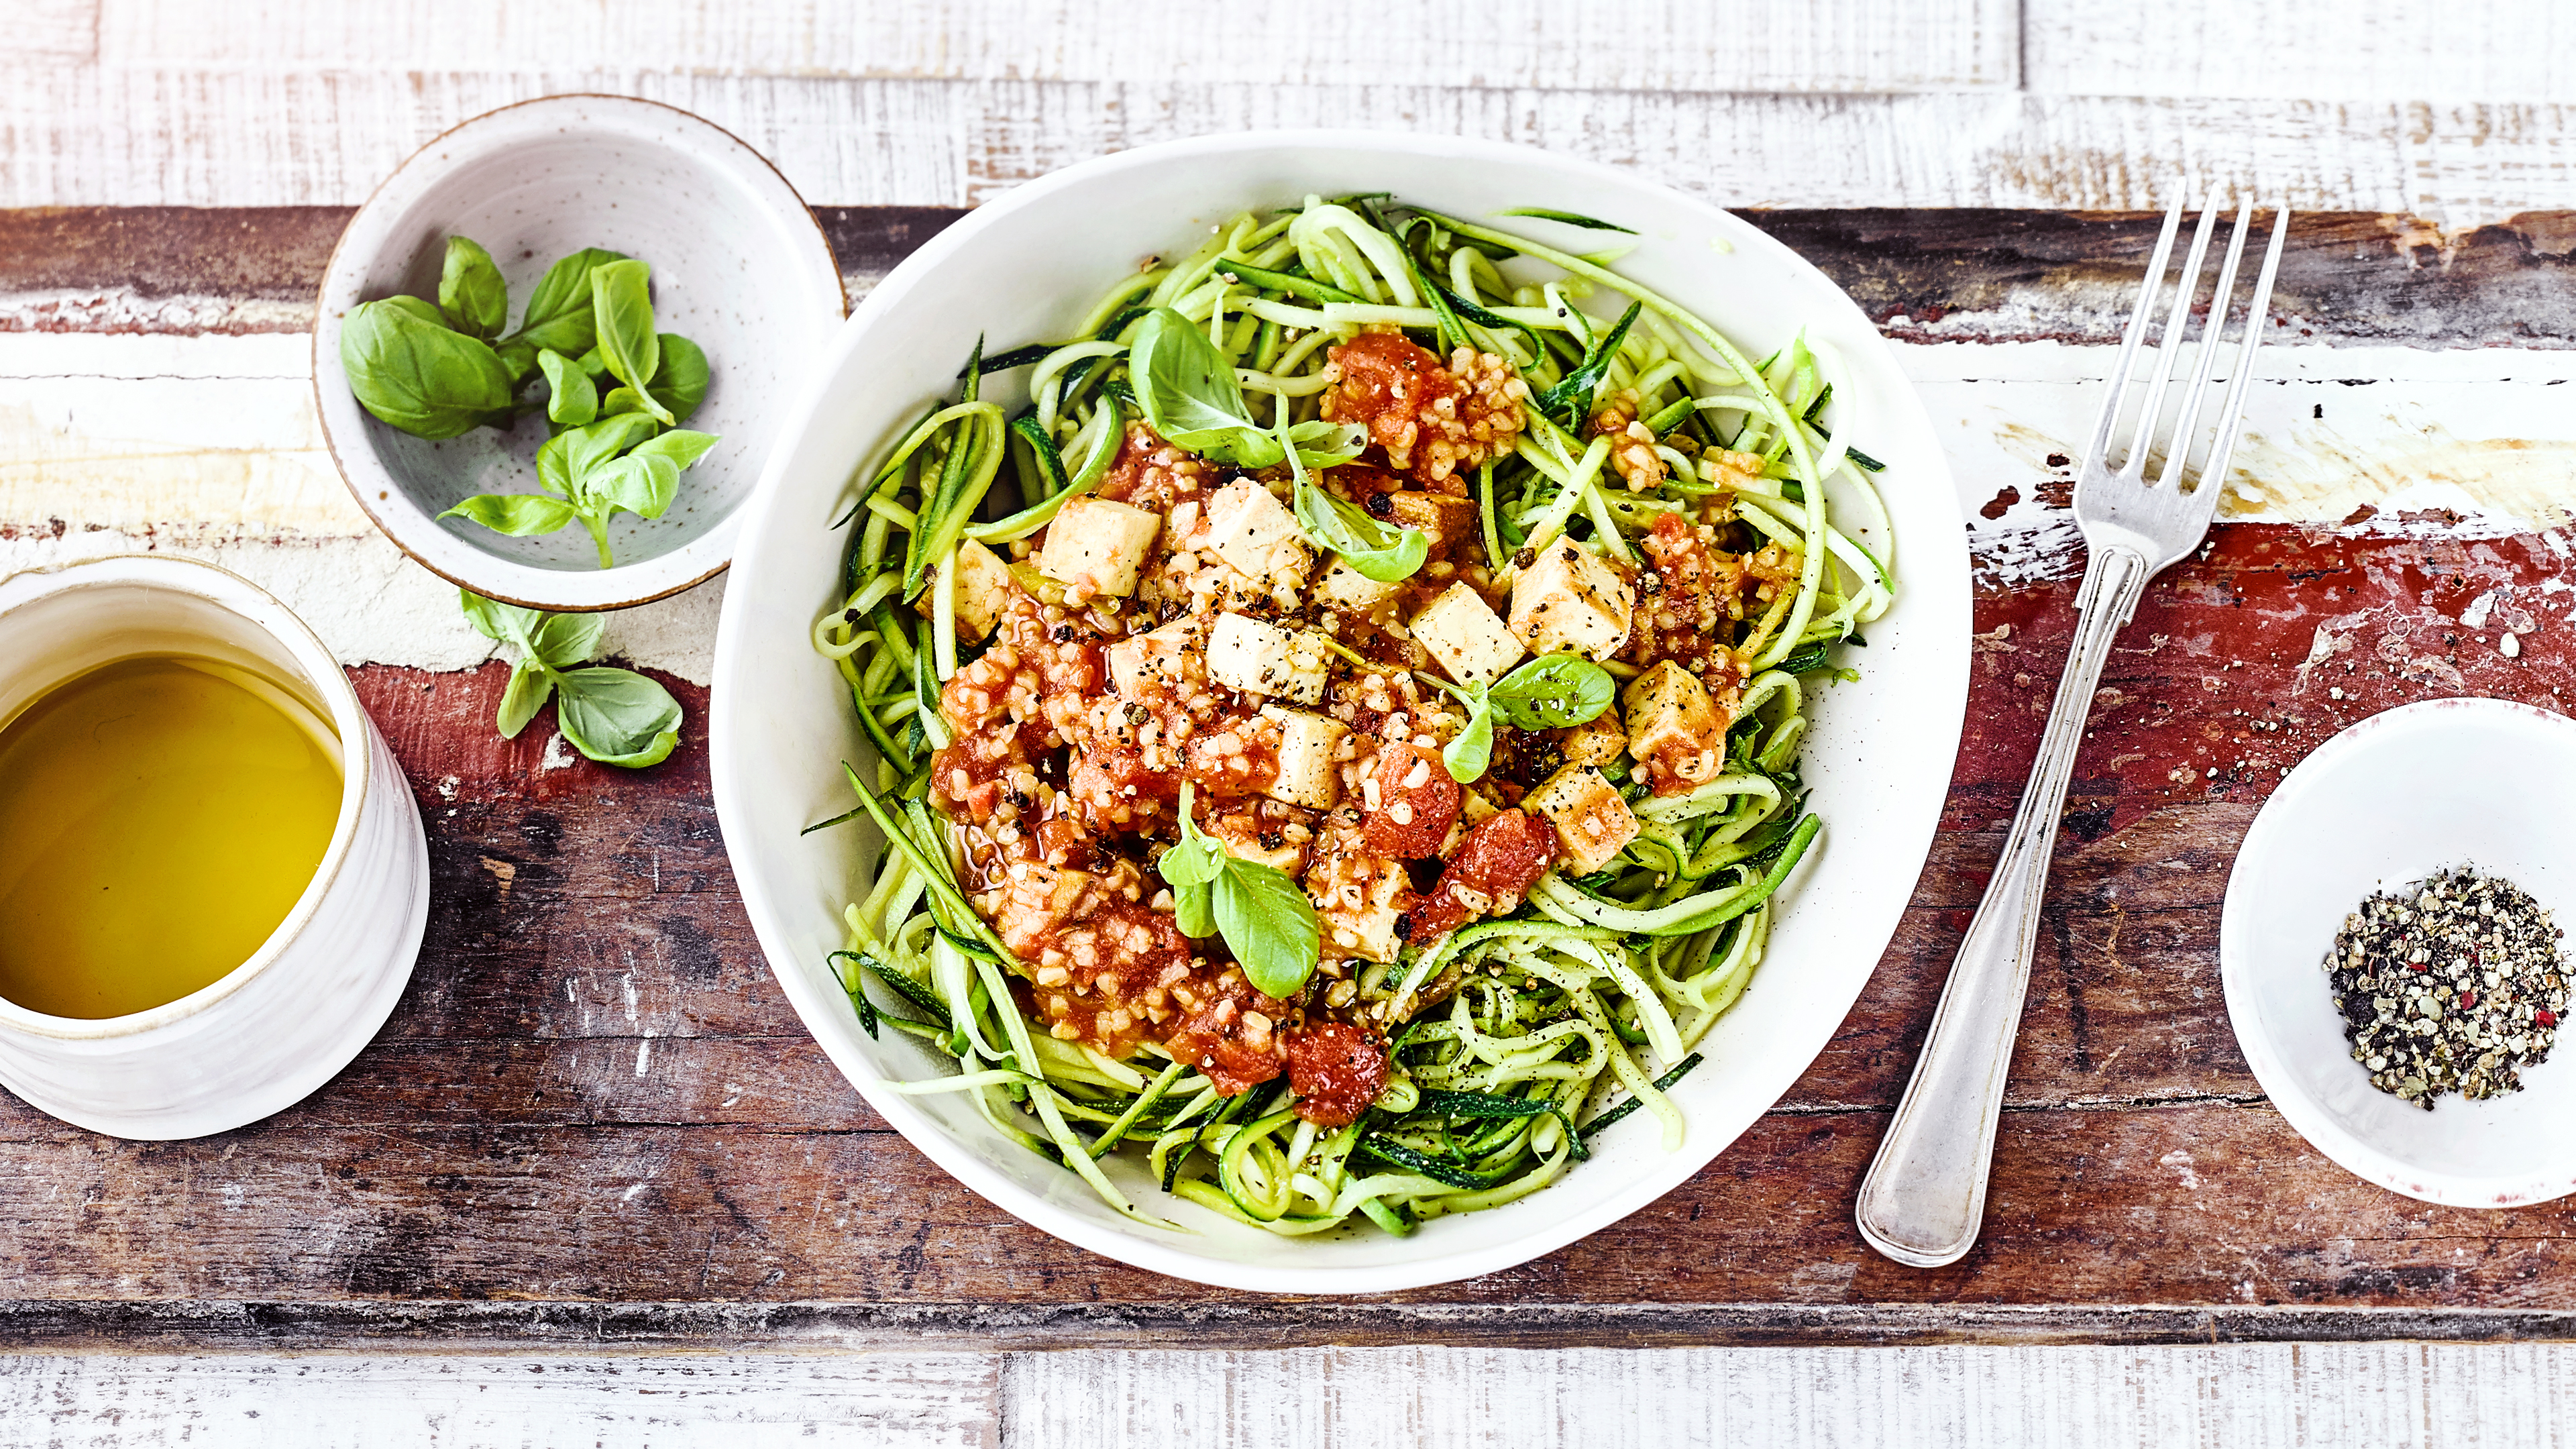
593 1091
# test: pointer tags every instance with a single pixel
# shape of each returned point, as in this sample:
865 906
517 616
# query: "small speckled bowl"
739 267
2391 800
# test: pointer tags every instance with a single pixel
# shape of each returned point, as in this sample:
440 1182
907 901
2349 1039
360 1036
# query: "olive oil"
159 816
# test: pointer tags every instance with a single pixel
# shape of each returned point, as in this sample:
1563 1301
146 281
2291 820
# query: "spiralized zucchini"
1516 1042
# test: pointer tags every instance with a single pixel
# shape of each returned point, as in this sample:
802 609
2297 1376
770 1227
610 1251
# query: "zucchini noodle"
1513 1043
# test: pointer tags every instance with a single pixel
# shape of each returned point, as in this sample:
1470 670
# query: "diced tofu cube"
1264 659
1358 897
1597 742
1308 773
1463 634
983 590
1444 516
1347 589
1593 824
1255 533
1170 660
1099 545
1674 730
1572 599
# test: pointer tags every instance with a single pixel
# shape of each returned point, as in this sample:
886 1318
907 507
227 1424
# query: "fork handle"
1925 1196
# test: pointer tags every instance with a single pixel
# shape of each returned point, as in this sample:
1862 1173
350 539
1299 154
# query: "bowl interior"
1027 267
738 267
2395 798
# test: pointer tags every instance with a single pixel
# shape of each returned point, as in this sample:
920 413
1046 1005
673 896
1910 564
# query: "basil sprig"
1386 554
438 371
1265 917
614 716
590 473
1552 692
1566 401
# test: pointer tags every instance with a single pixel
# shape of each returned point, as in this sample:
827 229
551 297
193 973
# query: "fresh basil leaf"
470 291
1472 752
1388 555
625 400
529 686
1194 861
516 514
621 300
679 445
617 716
1570 218
597 366
499 622
416 374
521 360
1270 924
559 310
1565 402
420 307
575 401
1187 391
681 383
567 458
1194 910
565 640
1556 692
1320 444
641 483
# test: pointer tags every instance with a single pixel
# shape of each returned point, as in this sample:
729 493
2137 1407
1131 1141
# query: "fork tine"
2256 314
2133 465
2212 332
2138 314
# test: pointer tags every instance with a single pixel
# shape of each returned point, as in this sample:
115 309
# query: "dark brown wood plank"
1931 275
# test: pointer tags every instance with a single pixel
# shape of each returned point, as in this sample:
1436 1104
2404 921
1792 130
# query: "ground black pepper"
2453 984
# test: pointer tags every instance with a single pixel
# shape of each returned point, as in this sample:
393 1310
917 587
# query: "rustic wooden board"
594 1120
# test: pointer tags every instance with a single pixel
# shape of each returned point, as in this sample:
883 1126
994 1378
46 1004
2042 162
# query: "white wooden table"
181 419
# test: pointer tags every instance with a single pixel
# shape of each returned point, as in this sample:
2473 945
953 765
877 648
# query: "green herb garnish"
614 716
1265 918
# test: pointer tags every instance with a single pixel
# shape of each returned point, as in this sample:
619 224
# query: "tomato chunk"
1416 804
1338 1069
1497 862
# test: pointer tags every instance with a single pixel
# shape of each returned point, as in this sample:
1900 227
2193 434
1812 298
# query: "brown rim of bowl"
332 444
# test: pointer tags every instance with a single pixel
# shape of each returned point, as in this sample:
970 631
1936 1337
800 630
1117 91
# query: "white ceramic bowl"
1026 267
271 1031
739 267
2396 797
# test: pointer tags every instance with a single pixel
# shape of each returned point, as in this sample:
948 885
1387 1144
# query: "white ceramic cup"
275 1028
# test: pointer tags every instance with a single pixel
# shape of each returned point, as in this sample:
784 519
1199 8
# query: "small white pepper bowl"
739 266
2395 798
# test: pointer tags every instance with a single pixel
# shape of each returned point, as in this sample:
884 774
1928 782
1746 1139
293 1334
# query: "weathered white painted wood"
56 30
1743 45
726 1401
145 136
2387 1396
2329 50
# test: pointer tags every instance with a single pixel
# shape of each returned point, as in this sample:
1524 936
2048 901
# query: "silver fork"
1925 1196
